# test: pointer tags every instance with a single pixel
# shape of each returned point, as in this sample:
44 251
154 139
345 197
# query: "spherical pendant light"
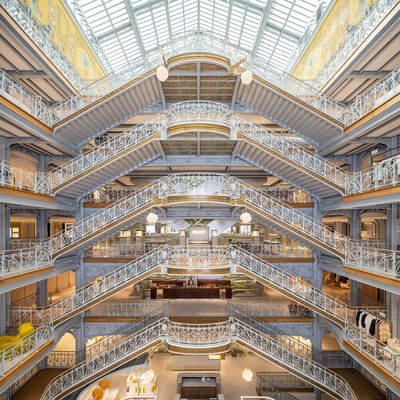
246 77
247 375
162 73
152 218
245 218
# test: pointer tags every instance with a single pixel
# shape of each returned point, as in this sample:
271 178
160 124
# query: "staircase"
178 188
262 271
255 144
195 338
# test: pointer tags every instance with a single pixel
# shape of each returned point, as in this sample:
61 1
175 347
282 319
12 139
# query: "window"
14 232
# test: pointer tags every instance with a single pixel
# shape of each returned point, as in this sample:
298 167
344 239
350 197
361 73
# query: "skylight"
126 29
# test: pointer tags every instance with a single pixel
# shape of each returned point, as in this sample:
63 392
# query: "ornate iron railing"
331 359
18 178
132 309
384 174
110 250
206 43
105 151
377 351
373 18
132 344
109 195
13 354
272 250
289 195
352 253
8 393
262 309
22 14
199 111
196 336
22 97
16 262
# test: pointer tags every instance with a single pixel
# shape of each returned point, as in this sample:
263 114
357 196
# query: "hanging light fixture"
162 73
152 218
247 375
246 77
245 218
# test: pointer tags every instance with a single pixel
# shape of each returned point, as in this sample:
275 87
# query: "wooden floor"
362 387
34 389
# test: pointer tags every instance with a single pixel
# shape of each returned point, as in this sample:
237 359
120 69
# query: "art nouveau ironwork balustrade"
16 352
197 336
352 253
385 174
18 178
22 14
372 19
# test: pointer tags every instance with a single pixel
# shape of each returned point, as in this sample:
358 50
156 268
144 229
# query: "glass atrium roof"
124 30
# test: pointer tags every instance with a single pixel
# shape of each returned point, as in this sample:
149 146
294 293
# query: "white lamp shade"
152 218
148 376
247 375
245 218
246 77
162 73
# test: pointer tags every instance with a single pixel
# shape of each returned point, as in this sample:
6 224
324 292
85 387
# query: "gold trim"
387 191
197 271
209 58
177 129
101 298
298 299
108 161
26 194
176 349
371 275
373 113
370 361
104 98
26 275
12 374
279 156
289 227
199 199
25 115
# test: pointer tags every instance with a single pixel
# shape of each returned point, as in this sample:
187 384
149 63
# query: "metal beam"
133 24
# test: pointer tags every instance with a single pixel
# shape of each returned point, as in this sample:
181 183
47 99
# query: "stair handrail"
108 149
12 355
196 336
22 179
141 339
309 368
353 253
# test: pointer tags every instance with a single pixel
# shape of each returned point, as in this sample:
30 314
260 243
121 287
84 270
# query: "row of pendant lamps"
152 218
162 74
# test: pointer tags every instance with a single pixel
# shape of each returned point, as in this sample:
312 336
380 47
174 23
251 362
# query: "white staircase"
195 337
175 186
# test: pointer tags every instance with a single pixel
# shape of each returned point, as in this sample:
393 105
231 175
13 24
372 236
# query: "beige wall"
343 16
67 36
